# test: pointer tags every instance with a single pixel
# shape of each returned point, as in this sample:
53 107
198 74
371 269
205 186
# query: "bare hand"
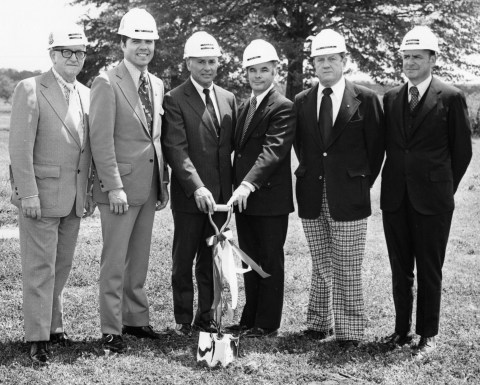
118 201
89 206
31 207
204 200
165 197
239 197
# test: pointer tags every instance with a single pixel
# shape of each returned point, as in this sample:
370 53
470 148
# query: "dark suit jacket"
429 165
194 152
350 162
263 159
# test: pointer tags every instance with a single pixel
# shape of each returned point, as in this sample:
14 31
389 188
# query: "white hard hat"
67 35
201 44
328 42
259 51
420 37
138 24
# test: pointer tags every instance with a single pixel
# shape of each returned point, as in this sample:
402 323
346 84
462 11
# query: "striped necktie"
251 112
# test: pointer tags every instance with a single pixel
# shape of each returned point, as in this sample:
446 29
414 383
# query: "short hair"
124 39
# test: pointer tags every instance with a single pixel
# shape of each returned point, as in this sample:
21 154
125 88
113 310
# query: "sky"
24 29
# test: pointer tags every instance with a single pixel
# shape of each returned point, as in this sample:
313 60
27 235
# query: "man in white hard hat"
199 121
263 188
428 150
340 148
131 178
50 160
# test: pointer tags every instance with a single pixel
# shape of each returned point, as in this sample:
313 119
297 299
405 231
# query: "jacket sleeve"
23 131
374 135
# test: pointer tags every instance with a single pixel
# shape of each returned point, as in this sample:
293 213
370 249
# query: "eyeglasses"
67 53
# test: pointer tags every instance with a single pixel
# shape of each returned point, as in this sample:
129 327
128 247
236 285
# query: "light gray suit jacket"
123 149
46 155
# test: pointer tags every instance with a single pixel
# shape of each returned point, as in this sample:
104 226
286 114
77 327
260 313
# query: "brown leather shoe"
39 352
141 332
425 347
60 339
397 339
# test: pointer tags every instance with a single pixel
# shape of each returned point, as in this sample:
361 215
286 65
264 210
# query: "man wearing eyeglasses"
50 160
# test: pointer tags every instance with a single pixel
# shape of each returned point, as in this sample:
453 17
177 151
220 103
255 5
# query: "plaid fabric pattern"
336 296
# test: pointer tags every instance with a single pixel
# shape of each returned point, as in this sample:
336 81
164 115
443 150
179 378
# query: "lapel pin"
348 105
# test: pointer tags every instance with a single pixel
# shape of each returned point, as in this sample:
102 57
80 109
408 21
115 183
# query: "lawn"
288 359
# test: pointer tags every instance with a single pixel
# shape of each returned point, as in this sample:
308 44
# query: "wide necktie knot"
248 119
414 98
327 91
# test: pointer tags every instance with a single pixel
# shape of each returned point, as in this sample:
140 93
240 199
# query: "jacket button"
102 185
320 177
83 151
239 155
324 154
151 160
407 151
78 171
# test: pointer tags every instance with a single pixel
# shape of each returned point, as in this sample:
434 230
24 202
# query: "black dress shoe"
396 339
425 347
316 334
60 339
141 332
114 343
348 344
204 326
184 330
39 352
257 332
237 329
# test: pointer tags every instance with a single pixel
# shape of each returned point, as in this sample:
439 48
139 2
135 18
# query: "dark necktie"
144 93
325 116
211 110
248 119
414 94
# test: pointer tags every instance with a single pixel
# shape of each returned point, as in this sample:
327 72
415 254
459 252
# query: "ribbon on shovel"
224 269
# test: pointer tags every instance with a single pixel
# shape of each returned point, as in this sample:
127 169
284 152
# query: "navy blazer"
263 158
350 162
428 165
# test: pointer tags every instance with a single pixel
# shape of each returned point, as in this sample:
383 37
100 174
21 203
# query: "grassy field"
288 359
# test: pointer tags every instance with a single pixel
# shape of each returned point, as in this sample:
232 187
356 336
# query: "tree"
373 31
6 88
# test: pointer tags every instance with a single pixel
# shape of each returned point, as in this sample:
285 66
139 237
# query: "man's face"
139 52
329 68
203 69
261 76
417 65
67 68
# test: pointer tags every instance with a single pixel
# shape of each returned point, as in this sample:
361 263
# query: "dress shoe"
184 330
425 347
204 326
39 352
257 332
348 344
114 343
316 334
60 339
237 329
397 339
141 332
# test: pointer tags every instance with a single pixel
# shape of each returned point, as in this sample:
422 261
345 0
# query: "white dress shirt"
200 89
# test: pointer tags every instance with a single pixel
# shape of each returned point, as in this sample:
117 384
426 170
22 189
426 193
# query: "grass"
288 359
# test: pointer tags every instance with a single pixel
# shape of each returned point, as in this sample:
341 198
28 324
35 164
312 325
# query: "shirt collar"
134 72
262 95
201 88
63 82
338 88
422 87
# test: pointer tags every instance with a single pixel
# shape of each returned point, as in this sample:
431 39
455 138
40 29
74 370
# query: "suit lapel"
55 97
431 100
397 110
196 102
242 115
223 109
85 100
127 86
348 107
310 114
157 104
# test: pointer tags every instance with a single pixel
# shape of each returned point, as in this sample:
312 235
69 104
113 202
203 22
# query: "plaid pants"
336 296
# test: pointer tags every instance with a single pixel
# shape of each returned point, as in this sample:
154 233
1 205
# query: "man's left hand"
90 206
239 197
161 204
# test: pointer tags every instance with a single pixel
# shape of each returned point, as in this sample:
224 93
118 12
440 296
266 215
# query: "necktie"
248 119
211 110
75 113
144 93
414 94
325 116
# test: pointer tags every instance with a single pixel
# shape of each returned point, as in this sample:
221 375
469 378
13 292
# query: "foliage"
9 79
373 30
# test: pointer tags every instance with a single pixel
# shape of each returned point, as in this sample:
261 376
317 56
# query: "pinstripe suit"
198 158
47 159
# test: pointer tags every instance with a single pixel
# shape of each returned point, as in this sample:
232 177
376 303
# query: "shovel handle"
223 208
